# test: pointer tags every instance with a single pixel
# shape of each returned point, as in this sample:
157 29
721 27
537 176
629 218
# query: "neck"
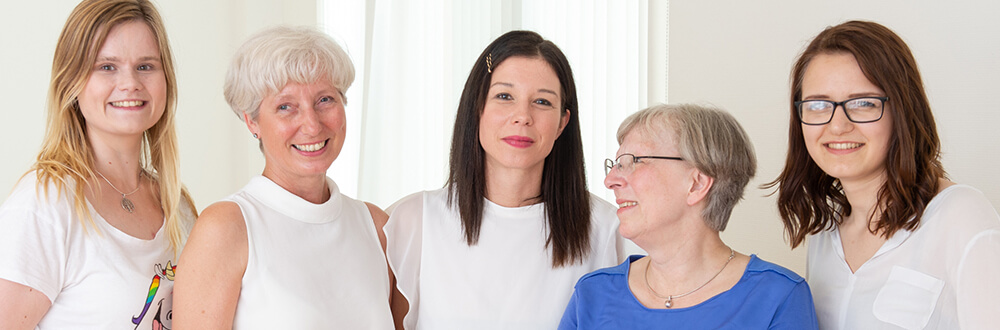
863 197
513 187
682 256
117 159
312 188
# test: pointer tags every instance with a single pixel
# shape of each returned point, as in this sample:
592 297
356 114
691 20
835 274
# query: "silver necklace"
669 299
126 203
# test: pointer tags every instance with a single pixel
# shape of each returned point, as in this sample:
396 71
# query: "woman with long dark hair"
514 228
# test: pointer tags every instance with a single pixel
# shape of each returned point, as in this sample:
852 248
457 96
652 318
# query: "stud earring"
255 136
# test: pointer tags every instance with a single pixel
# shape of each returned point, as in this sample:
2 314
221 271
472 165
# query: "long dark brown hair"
564 186
811 201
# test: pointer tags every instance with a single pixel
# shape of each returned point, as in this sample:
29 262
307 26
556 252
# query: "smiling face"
523 115
301 129
655 193
845 150
126 92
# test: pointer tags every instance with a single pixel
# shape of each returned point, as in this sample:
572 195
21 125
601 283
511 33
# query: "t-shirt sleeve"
569 321
978 267
31 249
969 239
979 282
797 311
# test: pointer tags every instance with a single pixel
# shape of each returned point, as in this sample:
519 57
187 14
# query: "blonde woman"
92 232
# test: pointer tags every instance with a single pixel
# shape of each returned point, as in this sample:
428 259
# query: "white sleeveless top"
506 281
310 266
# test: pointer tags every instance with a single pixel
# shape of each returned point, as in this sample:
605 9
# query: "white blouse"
506 281
943 275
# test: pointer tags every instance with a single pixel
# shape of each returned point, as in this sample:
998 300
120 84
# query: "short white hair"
266 62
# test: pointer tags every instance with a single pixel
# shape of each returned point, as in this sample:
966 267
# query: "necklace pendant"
669 302
127 205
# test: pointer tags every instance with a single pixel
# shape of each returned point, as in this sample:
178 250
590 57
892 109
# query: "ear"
251 125
563 121
700 185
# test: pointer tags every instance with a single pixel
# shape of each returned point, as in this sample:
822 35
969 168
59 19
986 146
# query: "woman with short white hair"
288 251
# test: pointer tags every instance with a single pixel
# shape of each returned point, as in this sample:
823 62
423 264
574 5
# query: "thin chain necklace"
669 300
126 203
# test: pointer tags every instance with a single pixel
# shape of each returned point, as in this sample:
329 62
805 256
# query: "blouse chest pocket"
908 298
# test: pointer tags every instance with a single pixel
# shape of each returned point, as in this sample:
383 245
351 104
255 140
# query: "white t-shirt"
943 275
106 280
506 281
310 266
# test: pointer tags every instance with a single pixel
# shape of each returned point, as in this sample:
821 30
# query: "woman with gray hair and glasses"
288 251
678 174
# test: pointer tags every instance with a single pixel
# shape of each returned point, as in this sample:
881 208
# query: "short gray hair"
268 60
712 141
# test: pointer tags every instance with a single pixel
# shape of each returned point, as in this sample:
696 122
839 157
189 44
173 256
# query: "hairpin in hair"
489 63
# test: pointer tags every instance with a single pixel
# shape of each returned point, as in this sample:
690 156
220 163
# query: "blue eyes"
109 67
324 99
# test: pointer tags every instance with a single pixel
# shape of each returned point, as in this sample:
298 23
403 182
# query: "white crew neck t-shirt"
506 281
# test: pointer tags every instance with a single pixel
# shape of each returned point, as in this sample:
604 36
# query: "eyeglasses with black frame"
858 110
625 163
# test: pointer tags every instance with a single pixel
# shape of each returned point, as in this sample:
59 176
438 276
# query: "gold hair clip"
489 63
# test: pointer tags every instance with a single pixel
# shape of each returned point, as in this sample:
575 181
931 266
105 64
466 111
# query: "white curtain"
412 59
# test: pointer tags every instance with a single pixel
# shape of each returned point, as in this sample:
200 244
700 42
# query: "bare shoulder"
379 216
219 230
222 216
211 268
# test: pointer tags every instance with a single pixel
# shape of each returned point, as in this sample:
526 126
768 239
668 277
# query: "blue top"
768 296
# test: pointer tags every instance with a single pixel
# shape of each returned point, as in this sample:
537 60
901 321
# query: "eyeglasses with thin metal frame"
625 163
858 110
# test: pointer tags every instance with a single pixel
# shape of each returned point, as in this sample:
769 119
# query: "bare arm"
21 307
210 271
397 304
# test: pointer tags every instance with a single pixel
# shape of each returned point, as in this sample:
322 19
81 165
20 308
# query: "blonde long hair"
67 159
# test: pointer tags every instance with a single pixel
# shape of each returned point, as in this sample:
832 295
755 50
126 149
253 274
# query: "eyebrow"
849 96
540 90
116 59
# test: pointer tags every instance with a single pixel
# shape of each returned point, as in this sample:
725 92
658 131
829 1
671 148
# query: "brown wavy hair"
811 201
564 184
66 159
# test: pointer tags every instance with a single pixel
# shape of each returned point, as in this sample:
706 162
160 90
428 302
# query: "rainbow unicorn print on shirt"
161 319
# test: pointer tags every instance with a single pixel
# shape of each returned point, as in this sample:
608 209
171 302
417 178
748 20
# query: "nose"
522 114
614 180
310 123
129 80
840 123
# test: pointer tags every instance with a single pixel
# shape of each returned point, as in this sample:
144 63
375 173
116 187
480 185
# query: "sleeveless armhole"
404 239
